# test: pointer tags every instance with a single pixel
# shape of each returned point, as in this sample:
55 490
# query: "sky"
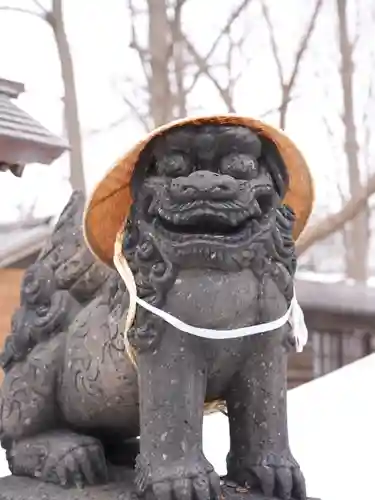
99 37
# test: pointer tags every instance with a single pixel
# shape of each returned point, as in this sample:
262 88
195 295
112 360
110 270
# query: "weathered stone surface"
208 240
12 488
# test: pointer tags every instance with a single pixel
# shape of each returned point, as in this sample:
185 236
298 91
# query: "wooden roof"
337 307
340 298
22 139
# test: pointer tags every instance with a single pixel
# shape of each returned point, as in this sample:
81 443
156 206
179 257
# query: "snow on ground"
4 471
332 434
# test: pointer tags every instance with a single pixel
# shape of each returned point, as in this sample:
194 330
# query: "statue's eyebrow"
231 142
179 140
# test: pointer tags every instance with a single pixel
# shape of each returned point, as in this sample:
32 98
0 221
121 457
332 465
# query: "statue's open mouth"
225 223
204 224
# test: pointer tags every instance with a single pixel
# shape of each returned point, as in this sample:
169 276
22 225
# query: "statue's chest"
224 302
214 300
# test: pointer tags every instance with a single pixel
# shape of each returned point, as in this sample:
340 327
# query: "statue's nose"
203 185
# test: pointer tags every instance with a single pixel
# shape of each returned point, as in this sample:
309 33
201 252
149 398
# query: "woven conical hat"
109 205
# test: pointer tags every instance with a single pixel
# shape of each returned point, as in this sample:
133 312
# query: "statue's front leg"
172 383
259 454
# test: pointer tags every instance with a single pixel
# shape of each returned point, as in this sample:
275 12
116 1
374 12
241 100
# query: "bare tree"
354 216
169 58
288 83
55 19
358 230
171 64
335 222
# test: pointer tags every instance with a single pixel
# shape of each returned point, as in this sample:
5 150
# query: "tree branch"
205 69
304 44
40 6
114 124
275 52
140 117
134 44
23 11
287 85
180 4
232 18
333 223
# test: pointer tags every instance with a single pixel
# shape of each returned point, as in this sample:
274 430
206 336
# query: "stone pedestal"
21 488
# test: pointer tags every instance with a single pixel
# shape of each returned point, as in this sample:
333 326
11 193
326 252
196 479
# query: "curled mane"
63 280
155 274
66 277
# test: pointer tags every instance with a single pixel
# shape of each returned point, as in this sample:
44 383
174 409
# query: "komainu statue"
175 294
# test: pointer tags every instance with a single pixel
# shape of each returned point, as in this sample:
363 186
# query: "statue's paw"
273 475
78 462
182 480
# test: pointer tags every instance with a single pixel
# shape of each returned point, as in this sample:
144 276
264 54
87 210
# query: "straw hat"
109 205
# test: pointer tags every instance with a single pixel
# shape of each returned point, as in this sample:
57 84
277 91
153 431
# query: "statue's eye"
173 165
240 166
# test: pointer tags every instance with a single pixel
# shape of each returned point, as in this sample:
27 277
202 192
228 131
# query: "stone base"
21 488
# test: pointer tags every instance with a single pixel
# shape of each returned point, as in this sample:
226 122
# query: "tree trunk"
358 229
179 63
284 106
71 116
160 46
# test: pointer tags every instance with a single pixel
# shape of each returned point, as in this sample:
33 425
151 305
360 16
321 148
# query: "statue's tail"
63 280
75 268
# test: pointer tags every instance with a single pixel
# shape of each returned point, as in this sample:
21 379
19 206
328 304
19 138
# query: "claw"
78 479
299 484
266 477
201 487
87 472
272 475
61 473
182 489
215 485
162 490
284 482
99 465
73 476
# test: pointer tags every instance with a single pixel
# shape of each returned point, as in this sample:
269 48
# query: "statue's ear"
275 165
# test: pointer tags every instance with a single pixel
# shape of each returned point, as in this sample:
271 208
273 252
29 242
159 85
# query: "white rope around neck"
294 313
